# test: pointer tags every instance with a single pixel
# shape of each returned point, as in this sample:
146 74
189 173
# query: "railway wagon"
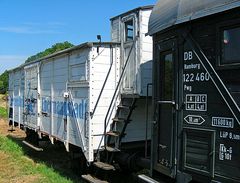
196 90
54 95
92 97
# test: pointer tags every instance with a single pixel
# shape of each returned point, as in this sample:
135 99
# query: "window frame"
124 21
220 28
127 30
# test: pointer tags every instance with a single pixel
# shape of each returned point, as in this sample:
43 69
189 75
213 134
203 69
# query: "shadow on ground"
54 156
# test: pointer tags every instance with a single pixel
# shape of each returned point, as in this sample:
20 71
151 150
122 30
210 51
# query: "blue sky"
30 26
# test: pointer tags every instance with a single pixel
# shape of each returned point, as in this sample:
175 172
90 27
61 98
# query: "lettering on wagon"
196 102
229 135
194 119
225 153
223 122
63 108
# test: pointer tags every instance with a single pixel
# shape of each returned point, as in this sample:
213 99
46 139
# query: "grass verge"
3 112
16 167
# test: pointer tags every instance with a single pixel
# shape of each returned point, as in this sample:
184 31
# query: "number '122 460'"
203 76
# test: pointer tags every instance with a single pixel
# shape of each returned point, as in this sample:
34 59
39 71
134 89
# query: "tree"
2 90
1 85
4 82
55 48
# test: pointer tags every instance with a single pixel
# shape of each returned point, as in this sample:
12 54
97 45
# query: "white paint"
196 77
138 73
57 85
196 102
192 66
225 153
194 119
188 55
223 122
187 88
229 135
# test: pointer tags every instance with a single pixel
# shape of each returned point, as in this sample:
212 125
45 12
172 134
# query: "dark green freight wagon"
196 129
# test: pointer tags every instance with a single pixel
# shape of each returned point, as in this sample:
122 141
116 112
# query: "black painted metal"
147 120
208 130
132 106
213 75
171 12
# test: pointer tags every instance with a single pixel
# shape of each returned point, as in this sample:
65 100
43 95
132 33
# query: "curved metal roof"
171 12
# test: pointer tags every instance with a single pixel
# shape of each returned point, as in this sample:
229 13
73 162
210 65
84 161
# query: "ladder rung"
130 96
124 107
112 149
104 166
113 133
91 179
119 119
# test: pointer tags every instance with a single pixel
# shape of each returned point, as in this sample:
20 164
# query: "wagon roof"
133 10
167 13
84 45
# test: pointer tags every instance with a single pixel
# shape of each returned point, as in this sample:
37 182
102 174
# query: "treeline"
55 48
4 82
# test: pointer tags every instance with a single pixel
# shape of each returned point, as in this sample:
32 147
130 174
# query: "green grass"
3 112
26 166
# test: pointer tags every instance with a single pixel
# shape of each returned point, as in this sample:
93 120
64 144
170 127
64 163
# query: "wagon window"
168 76
129 30
230 46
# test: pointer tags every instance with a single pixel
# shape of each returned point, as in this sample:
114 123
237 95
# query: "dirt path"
4 130
3 101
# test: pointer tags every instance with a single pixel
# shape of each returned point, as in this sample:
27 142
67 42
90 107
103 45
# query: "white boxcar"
69 95
129 29
55 95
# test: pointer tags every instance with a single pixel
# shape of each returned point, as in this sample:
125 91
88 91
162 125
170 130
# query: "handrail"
104 84
114 95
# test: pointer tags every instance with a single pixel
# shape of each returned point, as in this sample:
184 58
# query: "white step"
104 166
113 133
147 179
119 119
112 149
91 179
124 107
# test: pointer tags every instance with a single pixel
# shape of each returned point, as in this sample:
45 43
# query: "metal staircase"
113 139
119 124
